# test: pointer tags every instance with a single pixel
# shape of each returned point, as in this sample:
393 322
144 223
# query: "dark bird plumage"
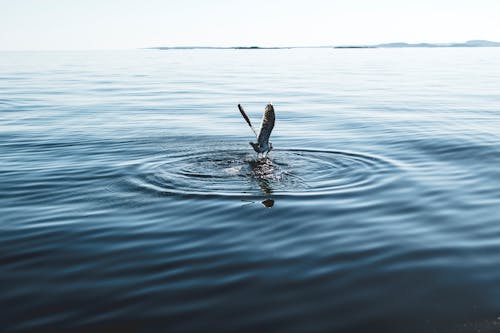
263 146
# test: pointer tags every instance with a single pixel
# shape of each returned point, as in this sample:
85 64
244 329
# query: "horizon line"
468 43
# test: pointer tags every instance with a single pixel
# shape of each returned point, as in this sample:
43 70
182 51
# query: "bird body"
262 146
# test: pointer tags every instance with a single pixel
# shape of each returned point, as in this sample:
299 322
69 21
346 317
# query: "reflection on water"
264 171
130 199
208 171
268 203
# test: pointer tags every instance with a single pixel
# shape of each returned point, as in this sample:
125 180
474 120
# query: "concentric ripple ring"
289 172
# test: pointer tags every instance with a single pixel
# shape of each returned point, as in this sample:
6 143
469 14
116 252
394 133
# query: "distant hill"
470 43
478 43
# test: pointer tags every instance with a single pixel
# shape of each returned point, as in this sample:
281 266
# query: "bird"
262 147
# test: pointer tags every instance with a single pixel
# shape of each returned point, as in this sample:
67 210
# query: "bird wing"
243 113
267 125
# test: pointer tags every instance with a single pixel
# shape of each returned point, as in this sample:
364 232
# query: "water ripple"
126 191
289 172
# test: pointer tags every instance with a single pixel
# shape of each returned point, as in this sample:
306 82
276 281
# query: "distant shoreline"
470 43
232 47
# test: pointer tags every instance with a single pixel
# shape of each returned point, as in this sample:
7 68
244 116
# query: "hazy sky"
120 24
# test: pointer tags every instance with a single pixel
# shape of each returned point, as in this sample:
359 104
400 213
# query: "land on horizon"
470 43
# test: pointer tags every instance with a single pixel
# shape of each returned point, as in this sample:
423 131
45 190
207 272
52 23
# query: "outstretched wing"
267 125
243 113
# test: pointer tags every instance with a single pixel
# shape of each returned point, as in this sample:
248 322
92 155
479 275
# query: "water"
131 200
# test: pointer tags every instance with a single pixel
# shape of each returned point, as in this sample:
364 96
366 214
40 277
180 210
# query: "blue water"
131 201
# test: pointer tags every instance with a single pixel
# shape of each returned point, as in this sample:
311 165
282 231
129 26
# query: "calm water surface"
131 201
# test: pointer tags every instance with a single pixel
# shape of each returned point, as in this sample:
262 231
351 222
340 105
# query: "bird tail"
247 119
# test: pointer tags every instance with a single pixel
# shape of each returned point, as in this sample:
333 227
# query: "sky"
125 24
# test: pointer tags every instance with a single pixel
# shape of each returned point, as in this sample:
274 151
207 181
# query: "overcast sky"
122 24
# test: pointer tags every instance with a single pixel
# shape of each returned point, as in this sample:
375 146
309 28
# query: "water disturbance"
131 201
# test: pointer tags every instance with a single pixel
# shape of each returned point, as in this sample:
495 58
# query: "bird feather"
246 118
267 125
